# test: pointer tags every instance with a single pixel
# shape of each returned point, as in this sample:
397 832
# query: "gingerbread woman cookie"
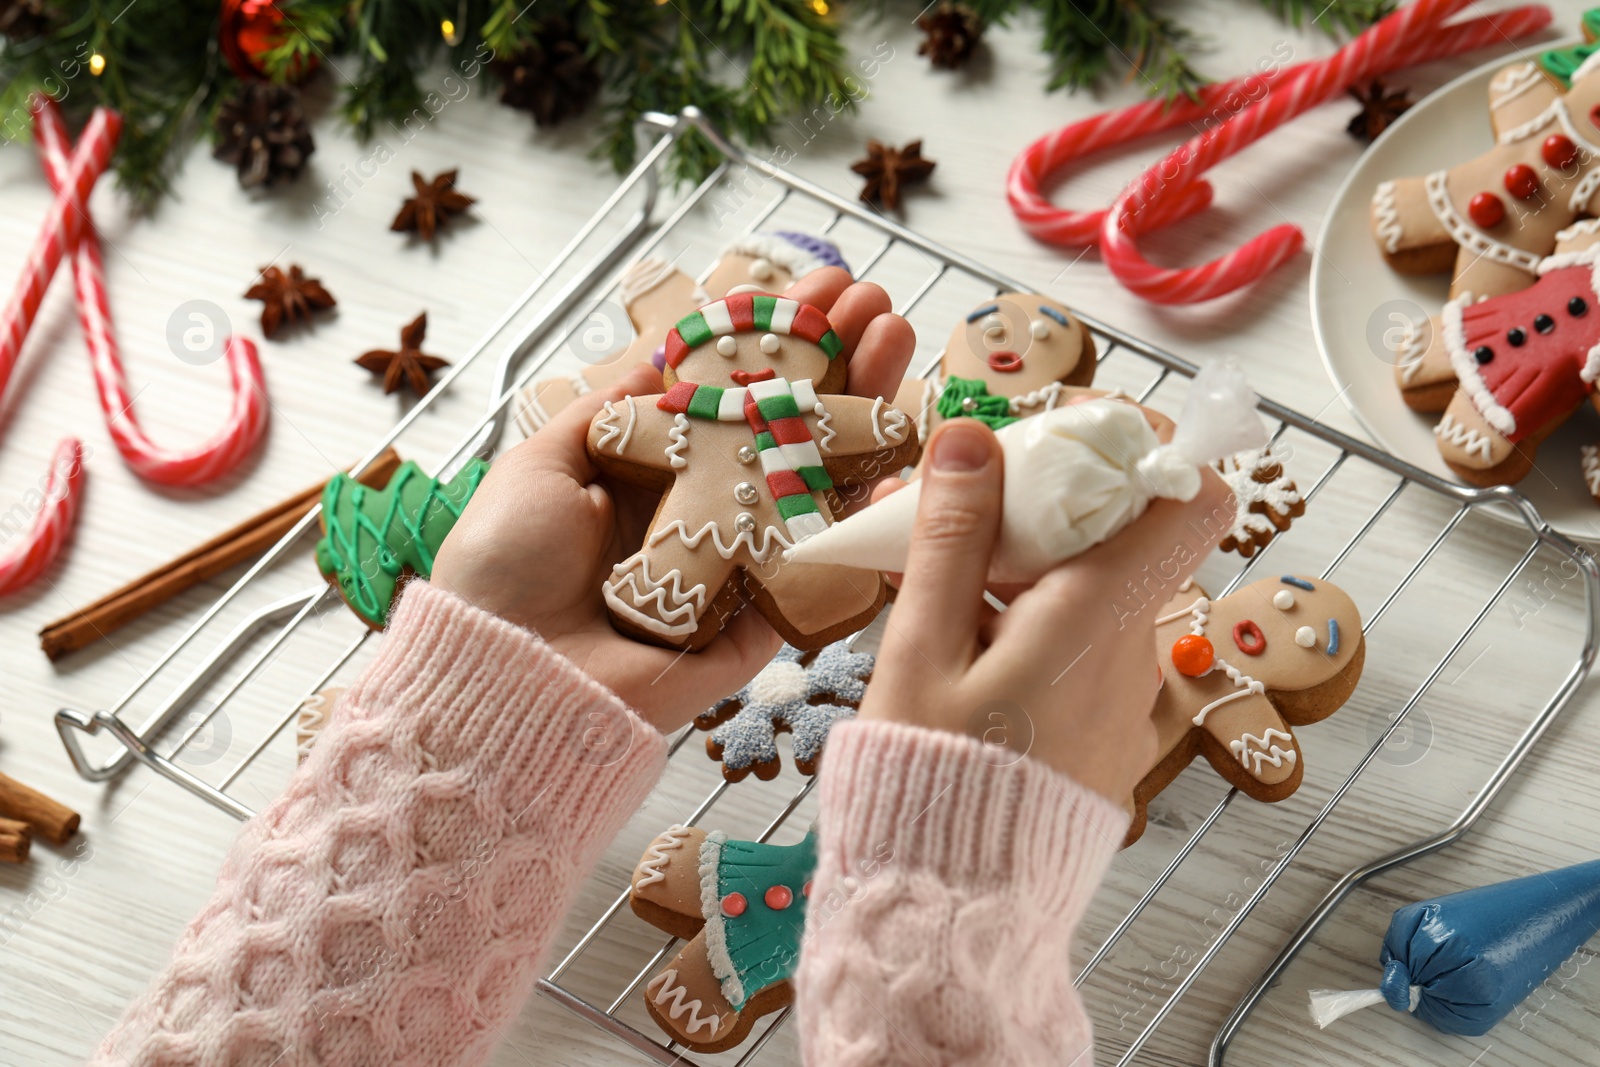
740 907
1238 673
1013 356
748 443
1524 361
803 693
374 539
656 295
1492 219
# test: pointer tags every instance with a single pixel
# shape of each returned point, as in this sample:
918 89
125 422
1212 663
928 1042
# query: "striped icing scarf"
789 456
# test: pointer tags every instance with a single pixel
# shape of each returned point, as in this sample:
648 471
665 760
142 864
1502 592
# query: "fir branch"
1331 16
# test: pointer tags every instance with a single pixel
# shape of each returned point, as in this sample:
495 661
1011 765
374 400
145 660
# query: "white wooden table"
79 937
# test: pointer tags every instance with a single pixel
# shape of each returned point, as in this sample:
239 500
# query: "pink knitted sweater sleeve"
393 905
942 912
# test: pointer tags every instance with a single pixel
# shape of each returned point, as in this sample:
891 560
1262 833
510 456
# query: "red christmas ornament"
779 897
1558 151
248 30
1487 210
1521 181
1192 655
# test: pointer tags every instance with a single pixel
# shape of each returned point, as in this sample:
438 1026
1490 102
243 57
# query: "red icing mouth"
745 377
1005 361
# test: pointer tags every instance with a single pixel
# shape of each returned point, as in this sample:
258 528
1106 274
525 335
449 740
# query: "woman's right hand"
1068 674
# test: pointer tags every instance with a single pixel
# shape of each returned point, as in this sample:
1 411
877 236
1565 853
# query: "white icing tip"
1283 600
728 345
1305 637
761 270
770 343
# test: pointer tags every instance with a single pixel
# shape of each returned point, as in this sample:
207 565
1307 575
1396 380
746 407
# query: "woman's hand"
541 534
1068 674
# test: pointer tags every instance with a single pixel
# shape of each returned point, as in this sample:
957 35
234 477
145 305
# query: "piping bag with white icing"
1074 476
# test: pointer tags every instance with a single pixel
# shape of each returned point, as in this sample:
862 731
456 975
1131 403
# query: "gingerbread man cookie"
740 906
1492 219
748 443
803 693
1013 356
1524 361
1238 673
656 295
374 539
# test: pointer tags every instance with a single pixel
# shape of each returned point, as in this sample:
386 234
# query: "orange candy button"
1192 655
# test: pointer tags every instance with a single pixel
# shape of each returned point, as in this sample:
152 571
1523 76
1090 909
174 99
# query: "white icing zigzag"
656 859
673 1000
672 602
893 423
1266 752
680 441
642 277
608 423
744 538
1386 216
1591 470
824 424
1049 396
1468 236
1411 351
1469 440
1512 83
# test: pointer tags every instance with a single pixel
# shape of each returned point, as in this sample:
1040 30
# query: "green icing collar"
1561 63
969 398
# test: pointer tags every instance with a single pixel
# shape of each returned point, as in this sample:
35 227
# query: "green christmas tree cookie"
373 538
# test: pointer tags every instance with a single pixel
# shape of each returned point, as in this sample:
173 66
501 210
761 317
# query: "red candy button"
733 905
1487 210
805 890
1521 181
1594 115
1192 655
779 897
1248 636
1559 151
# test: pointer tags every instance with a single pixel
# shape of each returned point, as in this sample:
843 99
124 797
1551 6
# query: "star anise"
953 30
887 169
1379 108
408 366
435 203
288 298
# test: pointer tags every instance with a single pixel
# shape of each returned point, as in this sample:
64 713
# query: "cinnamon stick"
50 819
16 839
244 541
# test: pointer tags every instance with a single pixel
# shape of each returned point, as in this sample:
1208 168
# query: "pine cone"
552 77
262 131
23 19
953 31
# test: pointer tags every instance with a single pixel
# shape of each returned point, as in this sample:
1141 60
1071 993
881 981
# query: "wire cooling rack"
1484 584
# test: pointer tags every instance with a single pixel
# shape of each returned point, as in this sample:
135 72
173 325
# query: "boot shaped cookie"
1525 362
1016 355
748 443
741 906
1492 219
657 294
803 693
1239 672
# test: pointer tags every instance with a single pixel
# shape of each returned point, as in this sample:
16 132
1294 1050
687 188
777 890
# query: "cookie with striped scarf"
750 446
654 294
1239 673
1013 356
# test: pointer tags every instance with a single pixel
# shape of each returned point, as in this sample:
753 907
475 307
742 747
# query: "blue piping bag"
1463 962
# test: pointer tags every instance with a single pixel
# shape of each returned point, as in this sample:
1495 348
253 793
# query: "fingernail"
960 448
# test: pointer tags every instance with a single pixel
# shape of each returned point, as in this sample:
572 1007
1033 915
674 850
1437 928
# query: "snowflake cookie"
1267 500
804 693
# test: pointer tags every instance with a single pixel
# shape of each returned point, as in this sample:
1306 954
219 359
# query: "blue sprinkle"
1054 314
1298 583
981 312
1333 637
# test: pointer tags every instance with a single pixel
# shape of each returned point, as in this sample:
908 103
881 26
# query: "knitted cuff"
930 801
479 693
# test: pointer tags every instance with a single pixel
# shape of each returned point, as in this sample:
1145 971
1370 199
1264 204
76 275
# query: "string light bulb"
820 6
447 27
97 64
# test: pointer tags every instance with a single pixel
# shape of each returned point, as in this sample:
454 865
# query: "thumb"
958 522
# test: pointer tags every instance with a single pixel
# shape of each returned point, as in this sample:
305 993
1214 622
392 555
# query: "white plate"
1353 294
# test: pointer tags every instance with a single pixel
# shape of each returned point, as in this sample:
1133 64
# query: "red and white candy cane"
1172 189
34 553
247 416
